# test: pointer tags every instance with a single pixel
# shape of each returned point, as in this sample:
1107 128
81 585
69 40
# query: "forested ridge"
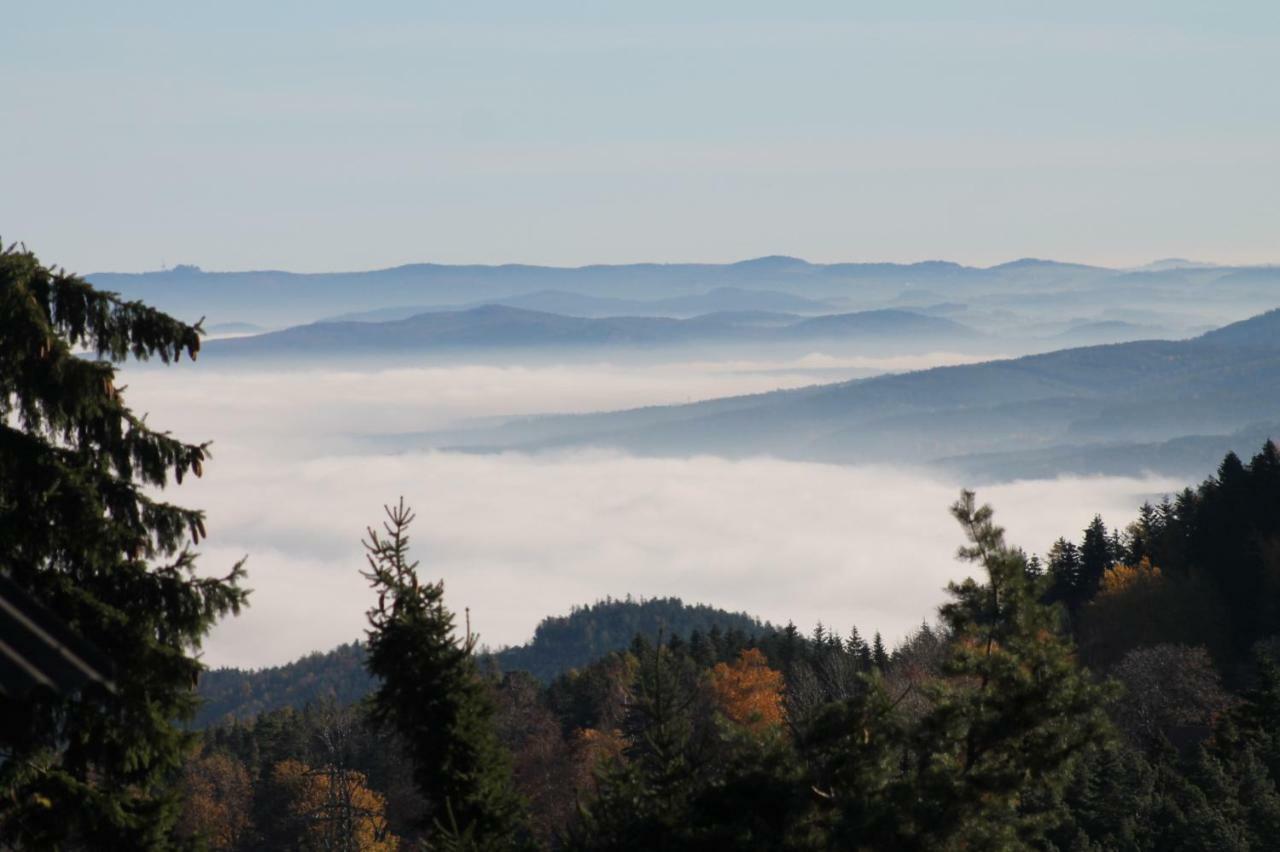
559 643
1120 692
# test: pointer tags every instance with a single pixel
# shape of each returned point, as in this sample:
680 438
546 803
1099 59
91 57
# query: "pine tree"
1096 556
858 649
430 693
1064 573
81 532
1016 710
644 799
879 656
1008 717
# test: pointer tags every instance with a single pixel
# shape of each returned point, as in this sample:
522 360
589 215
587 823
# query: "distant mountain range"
719 300
501 327
1041 288
990 419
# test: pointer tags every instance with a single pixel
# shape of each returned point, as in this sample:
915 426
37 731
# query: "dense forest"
559 643
1122 692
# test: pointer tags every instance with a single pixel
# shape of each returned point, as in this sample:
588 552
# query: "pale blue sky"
321 136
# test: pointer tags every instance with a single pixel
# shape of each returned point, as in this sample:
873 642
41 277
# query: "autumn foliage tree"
333 808
748 692
217 800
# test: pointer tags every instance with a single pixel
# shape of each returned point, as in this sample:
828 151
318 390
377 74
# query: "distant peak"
1039 263
772 261
1023 262
1168 263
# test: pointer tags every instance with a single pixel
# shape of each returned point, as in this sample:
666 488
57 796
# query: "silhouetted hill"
338 675
559 643
587 633
1262 330
881 323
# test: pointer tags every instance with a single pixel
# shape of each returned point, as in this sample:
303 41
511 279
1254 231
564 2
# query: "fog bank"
519 537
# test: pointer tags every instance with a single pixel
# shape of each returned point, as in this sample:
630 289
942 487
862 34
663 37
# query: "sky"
323 135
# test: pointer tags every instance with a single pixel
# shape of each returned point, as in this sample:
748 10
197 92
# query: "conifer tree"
1096 556
1015 710
858 649
1064 573
431 694
82 533
1009 715
879 656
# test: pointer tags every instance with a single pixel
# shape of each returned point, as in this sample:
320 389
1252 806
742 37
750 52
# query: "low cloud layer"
517 538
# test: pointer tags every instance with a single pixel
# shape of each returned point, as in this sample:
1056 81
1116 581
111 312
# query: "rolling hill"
1074 400
719 300
559 643
500 327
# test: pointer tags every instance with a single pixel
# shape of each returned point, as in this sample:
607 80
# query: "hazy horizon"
1193 262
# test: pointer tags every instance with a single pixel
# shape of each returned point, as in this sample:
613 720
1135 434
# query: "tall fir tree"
82 532
879 656
1010 714
1096 556
430 693
1064 573
1015 711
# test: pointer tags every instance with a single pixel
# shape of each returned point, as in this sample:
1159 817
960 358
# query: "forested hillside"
586 634
559 643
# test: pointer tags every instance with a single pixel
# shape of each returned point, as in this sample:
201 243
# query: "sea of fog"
293 486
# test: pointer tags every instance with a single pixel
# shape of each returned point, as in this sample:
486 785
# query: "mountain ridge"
500 326
1138 392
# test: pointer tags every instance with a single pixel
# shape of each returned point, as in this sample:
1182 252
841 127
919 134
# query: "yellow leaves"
593 748
338 808
217 801
748 692
1123 578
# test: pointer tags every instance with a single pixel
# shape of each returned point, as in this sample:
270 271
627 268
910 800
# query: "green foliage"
1218 548
560 643
1010 714
82 533
687 779
431 695
338 676
588 633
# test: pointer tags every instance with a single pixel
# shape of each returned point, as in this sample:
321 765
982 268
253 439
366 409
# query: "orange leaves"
1123 578
748 692
593 749
336 806
216 805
